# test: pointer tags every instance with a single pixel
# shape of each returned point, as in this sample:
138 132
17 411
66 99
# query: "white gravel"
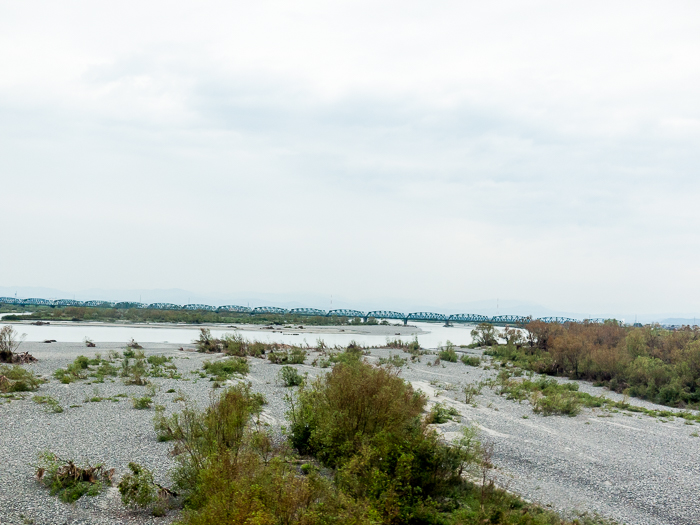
633 468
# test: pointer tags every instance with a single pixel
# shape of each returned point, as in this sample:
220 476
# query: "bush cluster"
649 362
16 379
369 457
226 368
69 481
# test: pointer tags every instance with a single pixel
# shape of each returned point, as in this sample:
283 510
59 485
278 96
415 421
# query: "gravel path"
633 468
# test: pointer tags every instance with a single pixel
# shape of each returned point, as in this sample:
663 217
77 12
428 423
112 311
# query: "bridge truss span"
426 316
346 313
308 311
164 306
561 320
196 307
269 310
274 310
234 308
67 302
468 318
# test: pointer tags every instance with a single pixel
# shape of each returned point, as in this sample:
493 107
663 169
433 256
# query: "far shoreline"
378 330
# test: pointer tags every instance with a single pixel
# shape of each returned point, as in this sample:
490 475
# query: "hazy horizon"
490 307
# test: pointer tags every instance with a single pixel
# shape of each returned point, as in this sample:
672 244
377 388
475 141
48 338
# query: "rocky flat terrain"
634 468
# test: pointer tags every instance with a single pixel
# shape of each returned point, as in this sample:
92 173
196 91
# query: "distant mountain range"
488 307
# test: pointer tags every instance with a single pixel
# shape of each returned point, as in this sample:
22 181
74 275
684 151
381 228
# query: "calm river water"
433 334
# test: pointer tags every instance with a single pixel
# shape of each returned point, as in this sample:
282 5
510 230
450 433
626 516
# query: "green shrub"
448 354
292 356
16 379
231 472
470 391
470 360
393 360
226 368
139 490
290 376
69 481
365 422
83 367
548 396
440 413
141 403
411 347
158 360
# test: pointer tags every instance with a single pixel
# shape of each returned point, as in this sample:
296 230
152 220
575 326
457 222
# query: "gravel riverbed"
633 468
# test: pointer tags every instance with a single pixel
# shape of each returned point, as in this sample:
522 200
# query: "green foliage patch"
649 362
69 481
224 369
14 378
290 376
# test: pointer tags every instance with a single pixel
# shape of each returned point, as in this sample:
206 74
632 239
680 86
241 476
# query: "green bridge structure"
375 314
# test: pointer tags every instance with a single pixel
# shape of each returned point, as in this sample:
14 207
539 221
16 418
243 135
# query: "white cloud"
444 152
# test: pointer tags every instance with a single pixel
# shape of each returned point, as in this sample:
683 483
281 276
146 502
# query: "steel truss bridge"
375 314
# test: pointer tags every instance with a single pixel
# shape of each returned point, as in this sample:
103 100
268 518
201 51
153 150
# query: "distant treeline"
647 362
141 315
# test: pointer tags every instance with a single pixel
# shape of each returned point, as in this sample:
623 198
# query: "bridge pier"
405 321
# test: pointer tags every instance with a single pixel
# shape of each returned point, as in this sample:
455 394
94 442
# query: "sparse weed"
393 360
141 403
51 404
293 356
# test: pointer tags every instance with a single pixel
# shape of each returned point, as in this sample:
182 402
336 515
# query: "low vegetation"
650 362
225 369
441 413
142 403
290 376
448 353
287 356
365 424
69 481
14 378
411 347
139 490
51 404
393 360
470 360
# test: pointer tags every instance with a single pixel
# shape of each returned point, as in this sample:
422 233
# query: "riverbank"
378 330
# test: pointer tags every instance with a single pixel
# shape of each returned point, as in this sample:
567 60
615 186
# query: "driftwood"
23 358
17 358
40 323
71 473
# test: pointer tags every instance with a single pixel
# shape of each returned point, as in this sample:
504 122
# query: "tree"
484 335
8 343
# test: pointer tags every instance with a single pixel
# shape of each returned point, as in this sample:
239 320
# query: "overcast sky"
438 152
